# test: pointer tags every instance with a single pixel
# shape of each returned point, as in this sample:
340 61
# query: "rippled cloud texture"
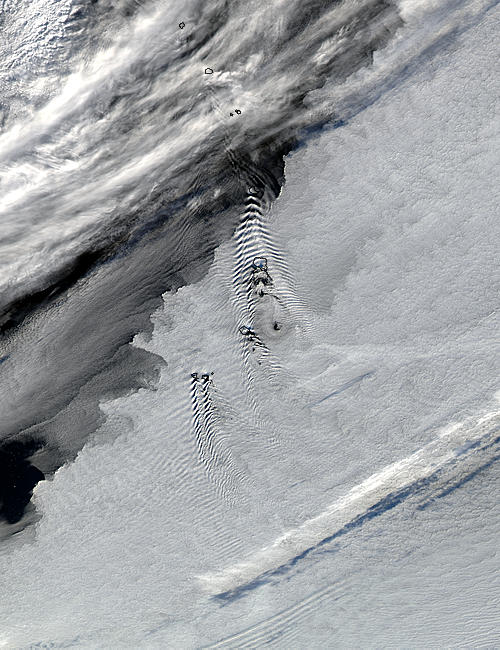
249 324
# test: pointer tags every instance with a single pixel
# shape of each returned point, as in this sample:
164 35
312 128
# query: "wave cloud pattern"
267 403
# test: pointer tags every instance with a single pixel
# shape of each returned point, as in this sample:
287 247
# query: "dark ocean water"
248 280
124 166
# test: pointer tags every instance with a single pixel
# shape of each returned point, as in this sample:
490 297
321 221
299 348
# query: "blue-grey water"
191 456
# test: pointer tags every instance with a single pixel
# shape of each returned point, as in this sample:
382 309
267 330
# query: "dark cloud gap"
18 477
87 313
17 310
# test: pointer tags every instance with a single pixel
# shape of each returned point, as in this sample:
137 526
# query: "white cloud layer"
383 249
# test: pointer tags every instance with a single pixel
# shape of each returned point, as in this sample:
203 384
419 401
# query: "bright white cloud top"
334 483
